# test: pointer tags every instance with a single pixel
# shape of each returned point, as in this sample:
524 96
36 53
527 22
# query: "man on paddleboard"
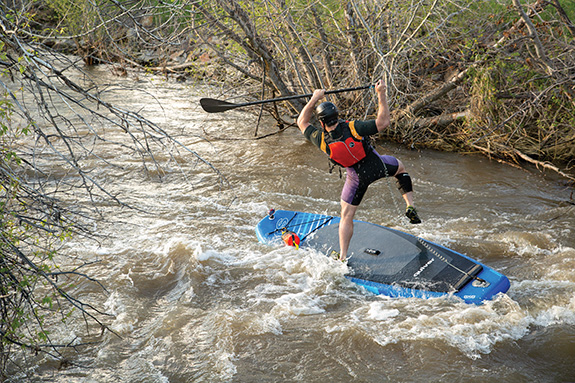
346 144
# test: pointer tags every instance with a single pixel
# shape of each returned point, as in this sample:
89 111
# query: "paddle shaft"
305 95
214 106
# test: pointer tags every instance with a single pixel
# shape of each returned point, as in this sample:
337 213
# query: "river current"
196 298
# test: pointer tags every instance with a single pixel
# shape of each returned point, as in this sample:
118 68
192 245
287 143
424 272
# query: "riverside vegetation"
494 77
491 76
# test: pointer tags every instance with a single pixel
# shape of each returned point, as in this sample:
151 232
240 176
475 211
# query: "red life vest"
348 149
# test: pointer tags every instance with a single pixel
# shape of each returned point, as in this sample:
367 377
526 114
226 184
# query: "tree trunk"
354 40
256 46
325 50
564 17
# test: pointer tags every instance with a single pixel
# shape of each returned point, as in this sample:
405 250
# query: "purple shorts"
362 174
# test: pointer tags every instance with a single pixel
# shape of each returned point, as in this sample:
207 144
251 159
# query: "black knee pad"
404 183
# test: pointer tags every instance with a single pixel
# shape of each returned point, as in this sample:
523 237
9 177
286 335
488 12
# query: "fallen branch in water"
545 165
525 157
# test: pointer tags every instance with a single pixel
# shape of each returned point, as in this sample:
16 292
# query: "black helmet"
327 113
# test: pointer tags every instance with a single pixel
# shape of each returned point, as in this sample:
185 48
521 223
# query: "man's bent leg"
406 188
346 227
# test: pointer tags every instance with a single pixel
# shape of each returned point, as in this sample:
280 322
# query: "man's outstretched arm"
383 118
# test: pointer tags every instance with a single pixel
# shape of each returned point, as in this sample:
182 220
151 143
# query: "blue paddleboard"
387 261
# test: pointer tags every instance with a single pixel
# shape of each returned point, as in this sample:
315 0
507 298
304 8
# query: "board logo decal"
423 267
281 223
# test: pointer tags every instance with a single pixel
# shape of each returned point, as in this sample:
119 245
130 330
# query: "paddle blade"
211 105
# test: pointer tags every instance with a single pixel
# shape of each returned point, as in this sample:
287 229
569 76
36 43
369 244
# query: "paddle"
211 105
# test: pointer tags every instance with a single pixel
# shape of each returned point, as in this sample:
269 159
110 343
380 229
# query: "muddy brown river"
196 298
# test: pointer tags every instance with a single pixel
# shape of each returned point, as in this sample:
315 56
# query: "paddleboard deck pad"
387 261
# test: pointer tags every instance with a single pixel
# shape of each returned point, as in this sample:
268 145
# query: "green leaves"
30 237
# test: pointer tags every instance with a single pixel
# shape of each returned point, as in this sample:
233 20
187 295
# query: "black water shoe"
411 213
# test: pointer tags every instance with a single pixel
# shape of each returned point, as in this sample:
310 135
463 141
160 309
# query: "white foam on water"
378 311
558 264
557 315
266 323
297 282
299 304
255 208
146 364
204 255
474 330
206 344
123 322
